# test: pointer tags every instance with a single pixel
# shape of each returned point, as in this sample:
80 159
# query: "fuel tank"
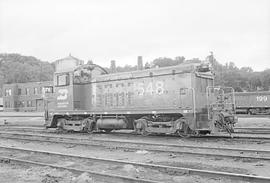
110 123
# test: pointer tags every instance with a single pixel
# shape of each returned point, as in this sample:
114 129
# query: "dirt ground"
211 163
22 121
15 173
22 118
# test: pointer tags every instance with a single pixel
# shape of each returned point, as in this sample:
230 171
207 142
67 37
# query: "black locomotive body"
179 99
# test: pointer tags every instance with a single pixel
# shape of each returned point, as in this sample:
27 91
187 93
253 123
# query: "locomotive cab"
72 95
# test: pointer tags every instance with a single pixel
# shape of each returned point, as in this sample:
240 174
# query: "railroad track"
236 136
204 137
221 152
23 127
253 116
252 130
22 155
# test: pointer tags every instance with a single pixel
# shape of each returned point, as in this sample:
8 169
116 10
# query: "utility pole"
40 71
214 64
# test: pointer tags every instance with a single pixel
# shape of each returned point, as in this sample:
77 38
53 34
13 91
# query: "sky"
103 30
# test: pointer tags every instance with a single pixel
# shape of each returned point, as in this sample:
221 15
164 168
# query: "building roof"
70 57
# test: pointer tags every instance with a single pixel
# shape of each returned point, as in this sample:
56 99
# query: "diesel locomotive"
179 99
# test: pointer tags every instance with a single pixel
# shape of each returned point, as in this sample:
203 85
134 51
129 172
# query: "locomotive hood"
84 73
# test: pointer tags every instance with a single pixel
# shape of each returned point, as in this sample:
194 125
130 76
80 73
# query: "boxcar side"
252 102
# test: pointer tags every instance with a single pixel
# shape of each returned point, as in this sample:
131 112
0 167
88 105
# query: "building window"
63 80
7 92
35 91
29 103
19 91
7 104
22 104
27 91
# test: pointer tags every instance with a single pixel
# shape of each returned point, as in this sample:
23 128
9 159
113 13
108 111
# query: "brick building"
27 96
34 96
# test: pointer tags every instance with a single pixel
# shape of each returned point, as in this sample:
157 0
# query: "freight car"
1 104
170 100
252 102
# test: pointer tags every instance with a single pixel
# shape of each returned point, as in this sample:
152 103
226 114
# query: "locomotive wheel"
182 134
60 124
137 127
182 128
89 125
140 127
108 130
184 131
143 130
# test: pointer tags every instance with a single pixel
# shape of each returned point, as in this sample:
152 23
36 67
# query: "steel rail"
253 116
21 116
253 132
23 126
243 177
147 148
213 136
239 137
252 128
141 143
14 127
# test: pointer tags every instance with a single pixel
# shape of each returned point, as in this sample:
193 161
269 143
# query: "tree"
163 62
16 68
246 69
265 79
180 59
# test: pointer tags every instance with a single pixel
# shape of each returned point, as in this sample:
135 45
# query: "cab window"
62 80
48 89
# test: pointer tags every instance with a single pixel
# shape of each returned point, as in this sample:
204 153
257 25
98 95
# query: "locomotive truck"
179 99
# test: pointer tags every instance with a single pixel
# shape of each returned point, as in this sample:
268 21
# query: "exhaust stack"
140 63
113 66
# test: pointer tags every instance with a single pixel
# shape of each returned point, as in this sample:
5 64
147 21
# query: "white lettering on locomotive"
63 94
140 88
150 88
159 87
261 98
62 104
